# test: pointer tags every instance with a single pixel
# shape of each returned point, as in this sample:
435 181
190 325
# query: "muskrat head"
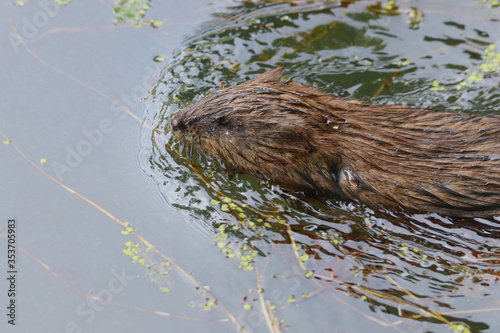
263 126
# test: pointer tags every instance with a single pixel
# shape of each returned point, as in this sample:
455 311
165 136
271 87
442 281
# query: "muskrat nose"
175 123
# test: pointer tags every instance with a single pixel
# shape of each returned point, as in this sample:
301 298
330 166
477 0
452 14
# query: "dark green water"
394 272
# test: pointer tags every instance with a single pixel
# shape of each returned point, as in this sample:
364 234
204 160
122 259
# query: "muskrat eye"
223 121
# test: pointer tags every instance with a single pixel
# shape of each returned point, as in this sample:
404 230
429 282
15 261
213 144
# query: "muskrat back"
390 157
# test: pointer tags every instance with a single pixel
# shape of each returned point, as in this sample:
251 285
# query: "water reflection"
414 267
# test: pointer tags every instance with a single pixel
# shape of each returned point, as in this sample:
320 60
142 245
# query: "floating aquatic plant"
493 3
134 11
491 64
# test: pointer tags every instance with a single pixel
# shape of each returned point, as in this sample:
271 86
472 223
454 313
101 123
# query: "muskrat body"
390 157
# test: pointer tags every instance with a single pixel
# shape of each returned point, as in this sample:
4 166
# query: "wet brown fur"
383 156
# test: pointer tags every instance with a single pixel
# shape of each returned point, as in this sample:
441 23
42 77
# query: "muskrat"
391 157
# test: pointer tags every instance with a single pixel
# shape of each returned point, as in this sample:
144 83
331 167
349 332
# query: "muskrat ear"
273 75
